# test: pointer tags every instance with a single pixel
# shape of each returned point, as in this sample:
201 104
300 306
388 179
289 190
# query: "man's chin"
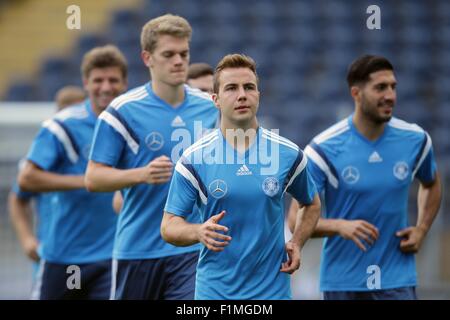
384 119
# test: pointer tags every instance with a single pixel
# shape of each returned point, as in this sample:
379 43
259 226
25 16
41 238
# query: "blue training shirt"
81 229
135 129
369 180
213 176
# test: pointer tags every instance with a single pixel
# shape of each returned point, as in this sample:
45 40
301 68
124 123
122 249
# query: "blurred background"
302 49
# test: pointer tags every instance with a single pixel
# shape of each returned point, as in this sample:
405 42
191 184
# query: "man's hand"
30 246
293 262
158 171
357 230
412 239
208 236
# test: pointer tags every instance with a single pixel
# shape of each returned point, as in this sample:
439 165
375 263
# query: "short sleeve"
185 189
23 195
317 167
46 150
301 185
109 139
426 165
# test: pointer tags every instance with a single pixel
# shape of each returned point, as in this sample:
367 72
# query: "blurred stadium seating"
302 49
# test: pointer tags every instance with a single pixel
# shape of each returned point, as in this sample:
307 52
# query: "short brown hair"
360 69
69 95
197 70
168 24
233 61
103 57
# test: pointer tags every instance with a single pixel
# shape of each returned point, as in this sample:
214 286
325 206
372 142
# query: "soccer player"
200 75
136 140
241 202
365 165
76 259
20 203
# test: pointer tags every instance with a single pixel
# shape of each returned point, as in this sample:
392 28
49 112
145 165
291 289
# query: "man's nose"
241 93
390 94
178 59
106 86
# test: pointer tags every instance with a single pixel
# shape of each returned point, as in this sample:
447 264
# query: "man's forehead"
112 71
167 42
237 75
382 76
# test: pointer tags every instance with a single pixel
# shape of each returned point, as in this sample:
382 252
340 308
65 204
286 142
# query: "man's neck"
95 110
173 95
240 137
368 128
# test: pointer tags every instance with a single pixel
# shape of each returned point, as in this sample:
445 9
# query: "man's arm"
34 179
104 178
428 203
305 221
21 218
177 231
355 230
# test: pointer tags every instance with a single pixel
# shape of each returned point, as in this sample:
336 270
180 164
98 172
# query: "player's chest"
242 183
81 138
371 168
167 131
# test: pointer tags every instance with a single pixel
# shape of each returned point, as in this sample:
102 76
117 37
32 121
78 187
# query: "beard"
370 110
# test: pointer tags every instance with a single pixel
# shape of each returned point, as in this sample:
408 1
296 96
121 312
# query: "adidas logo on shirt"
375 157
243 171
178 122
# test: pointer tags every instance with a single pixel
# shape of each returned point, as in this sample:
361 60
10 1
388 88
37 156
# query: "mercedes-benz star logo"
154 141
218 188
350 175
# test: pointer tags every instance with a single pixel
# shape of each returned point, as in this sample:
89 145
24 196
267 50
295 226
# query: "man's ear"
85 83
355 91
146 58
215 98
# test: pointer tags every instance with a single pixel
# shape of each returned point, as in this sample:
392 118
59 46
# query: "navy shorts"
87 281
168 278
406 293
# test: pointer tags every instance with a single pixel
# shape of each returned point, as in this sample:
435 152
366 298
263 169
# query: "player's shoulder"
287 148
335 133
75 112
196 96
68 117
406 129
128 98
197 93
198 147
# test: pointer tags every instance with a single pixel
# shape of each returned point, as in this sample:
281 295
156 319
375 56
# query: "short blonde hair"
233 61
103 57
69 95
168 24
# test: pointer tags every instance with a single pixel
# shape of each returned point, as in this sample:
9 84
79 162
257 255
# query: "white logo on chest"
401 170
243 171
218 188
271 186
178 122
154 141
375 157
350 175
